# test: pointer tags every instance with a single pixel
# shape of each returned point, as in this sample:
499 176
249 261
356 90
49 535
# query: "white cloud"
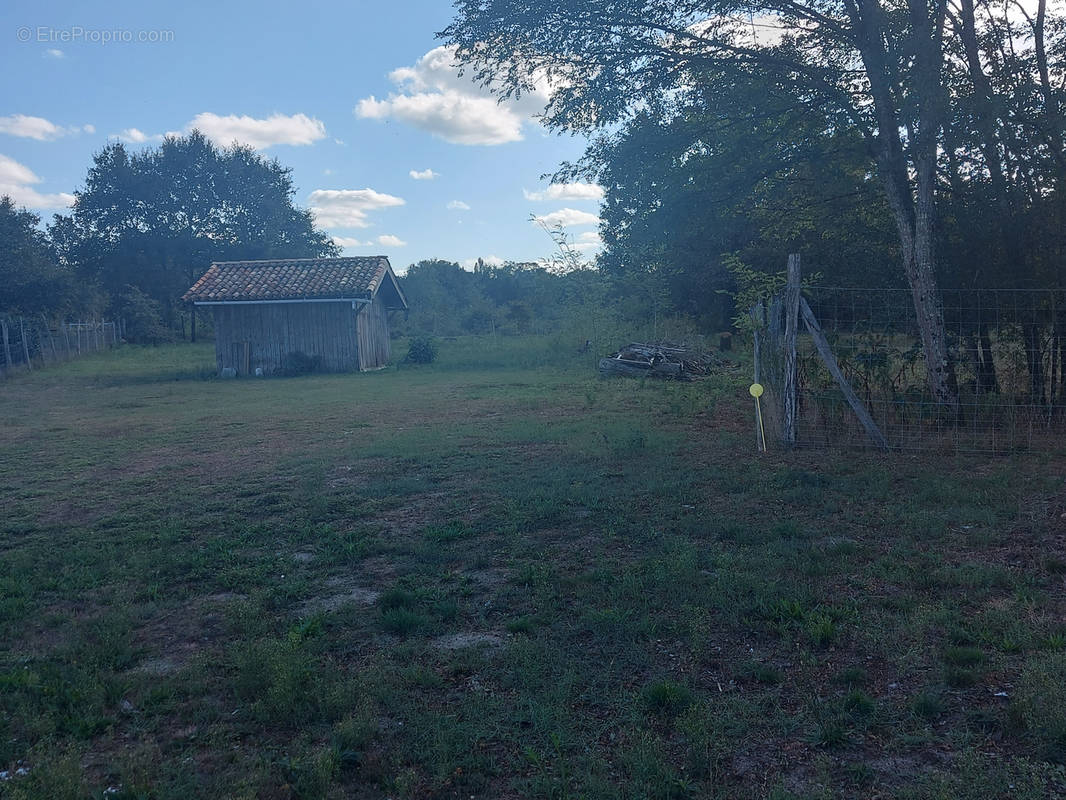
53 52
433 97
16 181
458 205
385 240
89 128
589 237
567 191
37 128
567 217
491 260
425 175
347 241
137 136
298 129
347 208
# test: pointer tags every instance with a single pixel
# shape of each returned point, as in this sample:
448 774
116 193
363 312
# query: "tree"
31 279
740 171
873 66
154 220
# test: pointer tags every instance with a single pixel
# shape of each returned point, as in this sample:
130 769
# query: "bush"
422 350
144 321
299 363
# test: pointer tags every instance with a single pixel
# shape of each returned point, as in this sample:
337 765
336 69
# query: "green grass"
499 576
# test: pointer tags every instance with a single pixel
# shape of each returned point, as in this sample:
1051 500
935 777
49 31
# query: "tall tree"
155 219
875 66
31 279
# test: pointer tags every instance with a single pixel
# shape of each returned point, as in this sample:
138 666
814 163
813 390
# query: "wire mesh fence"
30 342
1007 349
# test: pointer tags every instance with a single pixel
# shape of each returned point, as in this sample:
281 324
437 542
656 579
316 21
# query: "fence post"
826 352
51 339
791 376
7 342
25 344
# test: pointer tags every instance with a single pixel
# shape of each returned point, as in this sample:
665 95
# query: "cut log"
641 369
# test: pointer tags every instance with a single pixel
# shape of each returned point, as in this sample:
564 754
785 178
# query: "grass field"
501 577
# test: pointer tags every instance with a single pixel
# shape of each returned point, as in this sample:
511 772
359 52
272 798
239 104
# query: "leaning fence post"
830 360
791 377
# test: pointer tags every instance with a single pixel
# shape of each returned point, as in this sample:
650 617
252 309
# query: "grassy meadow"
499 576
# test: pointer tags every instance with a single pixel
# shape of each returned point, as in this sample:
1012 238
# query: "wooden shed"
270 315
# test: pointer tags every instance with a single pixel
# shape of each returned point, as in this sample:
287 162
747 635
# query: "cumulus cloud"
491 260
137 136
53 52
297 129
433 97
386 240
589 240
17 180
37 128
458 205
347 241
425 175
567 191
567 217
347 208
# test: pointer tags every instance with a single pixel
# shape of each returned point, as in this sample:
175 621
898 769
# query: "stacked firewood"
675 362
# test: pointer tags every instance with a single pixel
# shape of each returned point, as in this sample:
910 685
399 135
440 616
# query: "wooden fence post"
791 376
830 360
51 339
7 342
25 344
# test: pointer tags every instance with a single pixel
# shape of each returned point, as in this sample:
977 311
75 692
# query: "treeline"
143 229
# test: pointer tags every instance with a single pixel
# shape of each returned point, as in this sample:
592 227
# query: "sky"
393 151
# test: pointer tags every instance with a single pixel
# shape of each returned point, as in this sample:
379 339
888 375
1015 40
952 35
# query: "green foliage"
31 278
155 219
666 698
144 322
422 350
300 363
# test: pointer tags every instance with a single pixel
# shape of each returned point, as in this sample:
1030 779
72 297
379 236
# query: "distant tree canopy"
31 278
447 300
154 220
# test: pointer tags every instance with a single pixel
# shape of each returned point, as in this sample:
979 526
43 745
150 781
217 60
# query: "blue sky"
353 96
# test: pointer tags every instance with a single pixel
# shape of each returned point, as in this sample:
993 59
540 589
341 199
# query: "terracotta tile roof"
291 279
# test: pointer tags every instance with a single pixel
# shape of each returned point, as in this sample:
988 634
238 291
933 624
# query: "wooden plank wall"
373 335
273 331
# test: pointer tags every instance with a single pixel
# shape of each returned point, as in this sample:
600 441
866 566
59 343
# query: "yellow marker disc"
755 390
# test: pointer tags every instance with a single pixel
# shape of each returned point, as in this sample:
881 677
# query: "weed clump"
666 698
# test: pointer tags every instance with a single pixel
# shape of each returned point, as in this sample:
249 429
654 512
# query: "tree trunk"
1034 359
987 380
912 199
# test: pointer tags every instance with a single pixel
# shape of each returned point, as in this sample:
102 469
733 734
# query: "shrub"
144 320
299 363
422 350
